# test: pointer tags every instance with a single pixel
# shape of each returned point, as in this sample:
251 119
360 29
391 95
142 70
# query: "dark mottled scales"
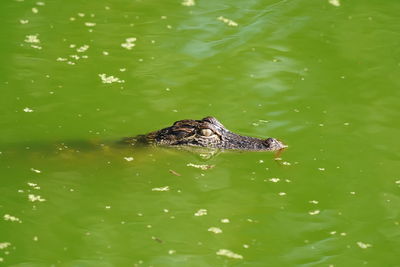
208 132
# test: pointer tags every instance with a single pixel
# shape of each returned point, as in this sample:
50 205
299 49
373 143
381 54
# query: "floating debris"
28 110
282 193
313 201
129 43
201 212
229 254
363 245
34 186
76 57
128 158
203 167
188 3
33 39
82 49
274 180
8 217
321 169
109 79
225 220
35 170
90 24
334 2
161 189
23 21
228 21
34 198
5 245
174 173
315 212
171 251
215 230
35 10
157 239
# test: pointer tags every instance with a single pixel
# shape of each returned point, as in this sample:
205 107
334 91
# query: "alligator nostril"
274 144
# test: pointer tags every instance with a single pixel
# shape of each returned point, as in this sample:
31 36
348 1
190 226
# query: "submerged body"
208 133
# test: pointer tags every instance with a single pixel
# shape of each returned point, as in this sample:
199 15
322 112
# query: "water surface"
320 75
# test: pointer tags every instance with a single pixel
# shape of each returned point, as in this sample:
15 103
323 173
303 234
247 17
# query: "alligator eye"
206 132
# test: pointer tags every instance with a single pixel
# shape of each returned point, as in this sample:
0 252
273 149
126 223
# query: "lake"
322 76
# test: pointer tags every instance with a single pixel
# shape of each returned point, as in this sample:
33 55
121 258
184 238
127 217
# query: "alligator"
206 133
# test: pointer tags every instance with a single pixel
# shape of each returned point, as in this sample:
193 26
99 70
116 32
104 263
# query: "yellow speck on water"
34 198
363 245
35 10
8 217
109 79
28 110
215 230
129 43
82 49
229 22
90 24
315 212
34 186
188 3
202 167
161 189
128 158
35 170
229 254
274 180
225 220
23 21
334 2
201 212
33 39
5 245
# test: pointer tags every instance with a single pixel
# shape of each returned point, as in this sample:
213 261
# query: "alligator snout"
275 144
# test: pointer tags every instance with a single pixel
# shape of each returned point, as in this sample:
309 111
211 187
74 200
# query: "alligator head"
210 133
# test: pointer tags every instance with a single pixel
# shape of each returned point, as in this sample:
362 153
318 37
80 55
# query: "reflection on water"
306 73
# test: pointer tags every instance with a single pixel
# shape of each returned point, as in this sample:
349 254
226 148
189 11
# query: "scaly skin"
209 133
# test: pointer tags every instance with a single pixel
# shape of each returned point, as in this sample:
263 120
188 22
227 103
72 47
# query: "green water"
321 76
